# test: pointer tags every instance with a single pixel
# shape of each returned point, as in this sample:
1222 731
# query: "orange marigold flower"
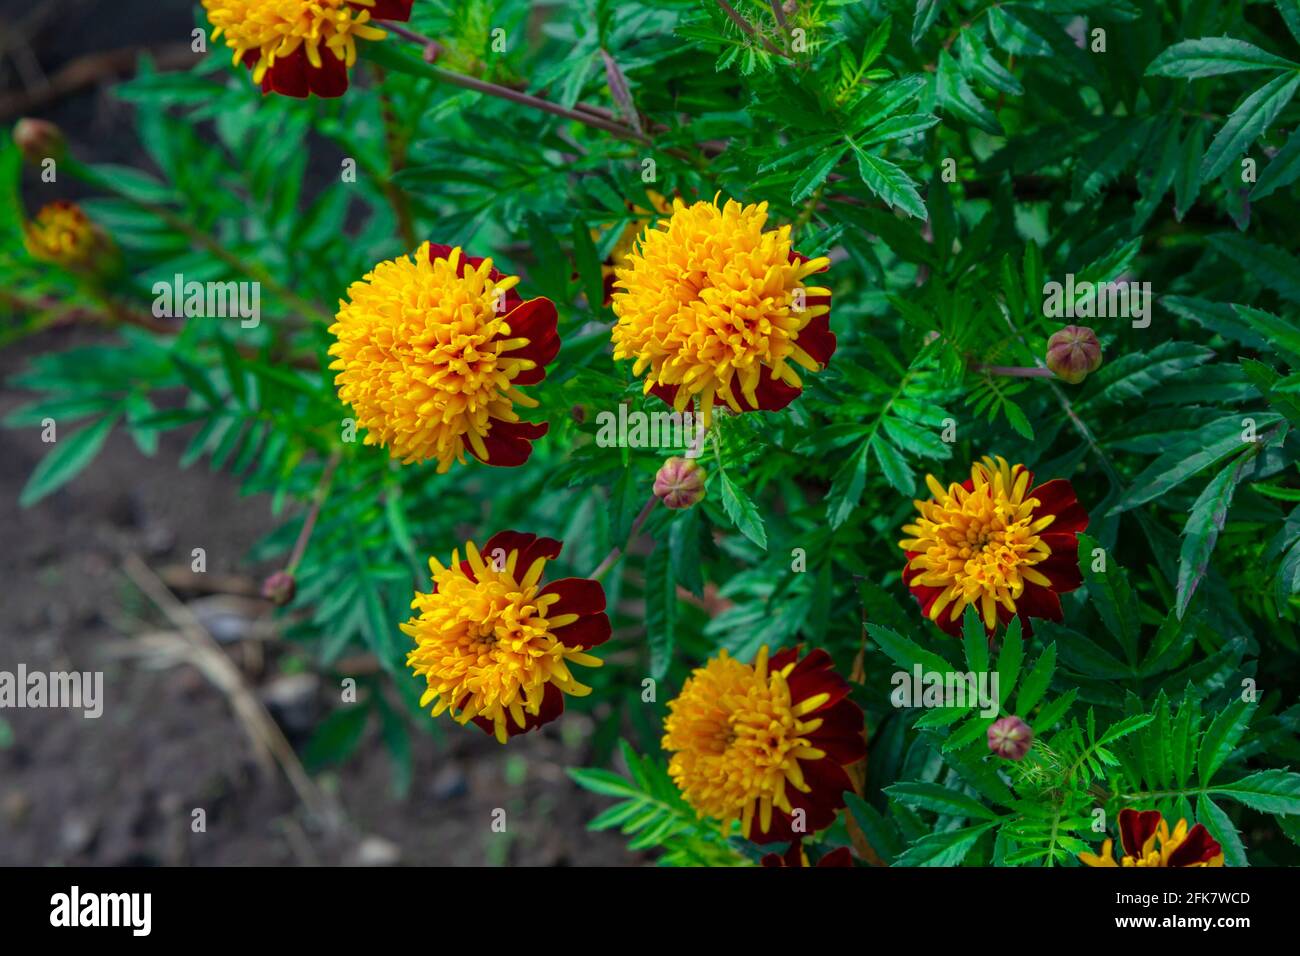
494 646
765 743
432 352
301 47
716 307
995 542
1148 842
63 235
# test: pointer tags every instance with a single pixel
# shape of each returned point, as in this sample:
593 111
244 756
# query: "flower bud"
1073 352
279 588
1010 737
62 235
39 140
680 483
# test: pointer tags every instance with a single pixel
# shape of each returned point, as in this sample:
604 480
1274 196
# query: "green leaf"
337 736
742 511
939 799
660 609
927 11
66 460
816 173
1222 736
1204 523
1218 823
1009 660
945 848
957 98
1282 170
1270 791
905 652
889 182
1110 592
1247 123
1212 56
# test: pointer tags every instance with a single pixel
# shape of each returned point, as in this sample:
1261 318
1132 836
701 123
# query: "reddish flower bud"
1073 352
38 140
1010 737
279 588
680 483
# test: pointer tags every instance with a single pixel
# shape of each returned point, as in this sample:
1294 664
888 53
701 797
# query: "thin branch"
747 28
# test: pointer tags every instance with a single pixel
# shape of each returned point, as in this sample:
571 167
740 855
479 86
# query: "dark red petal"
771 859
399 10
841 733
577 596
330 79
926 595
536 321
1062 567
814 675
1199 847
785 655
837 857
1136 828
288 76
666 393
508 444
1038 601
772 393
529 546
588 631
439 251
552 707
817 339
828 782
1056 497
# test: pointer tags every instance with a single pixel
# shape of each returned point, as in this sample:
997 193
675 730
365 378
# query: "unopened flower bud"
1010 737
39 140
680 483
1073 352
61 234
279 588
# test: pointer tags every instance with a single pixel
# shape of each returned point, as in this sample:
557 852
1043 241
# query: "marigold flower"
432 352
494 646
760 742
63 235
716 307
996 542
795 856
301 47
1148 842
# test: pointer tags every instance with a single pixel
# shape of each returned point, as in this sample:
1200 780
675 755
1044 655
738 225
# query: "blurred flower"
431 354
494 646
61 234
679 483
717 308
38 140
296 47
1010 737
994 542
618 256
1148 842
760 742
795 856
279 588
1073 353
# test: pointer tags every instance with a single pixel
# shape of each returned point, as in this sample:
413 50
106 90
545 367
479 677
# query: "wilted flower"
715 307
63 235
279 588
1148 842
995 542
38 140
765 743
1073 353
680 482
795 857
494 646
1010 737
296 47
432 352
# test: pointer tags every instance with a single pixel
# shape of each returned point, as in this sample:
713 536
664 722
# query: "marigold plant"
995 562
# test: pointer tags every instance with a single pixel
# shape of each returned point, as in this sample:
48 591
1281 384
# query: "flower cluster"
1148 841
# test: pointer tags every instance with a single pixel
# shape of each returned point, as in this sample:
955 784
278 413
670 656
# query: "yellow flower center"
738 739
708 299
485 647
980 546
419 356
276 28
